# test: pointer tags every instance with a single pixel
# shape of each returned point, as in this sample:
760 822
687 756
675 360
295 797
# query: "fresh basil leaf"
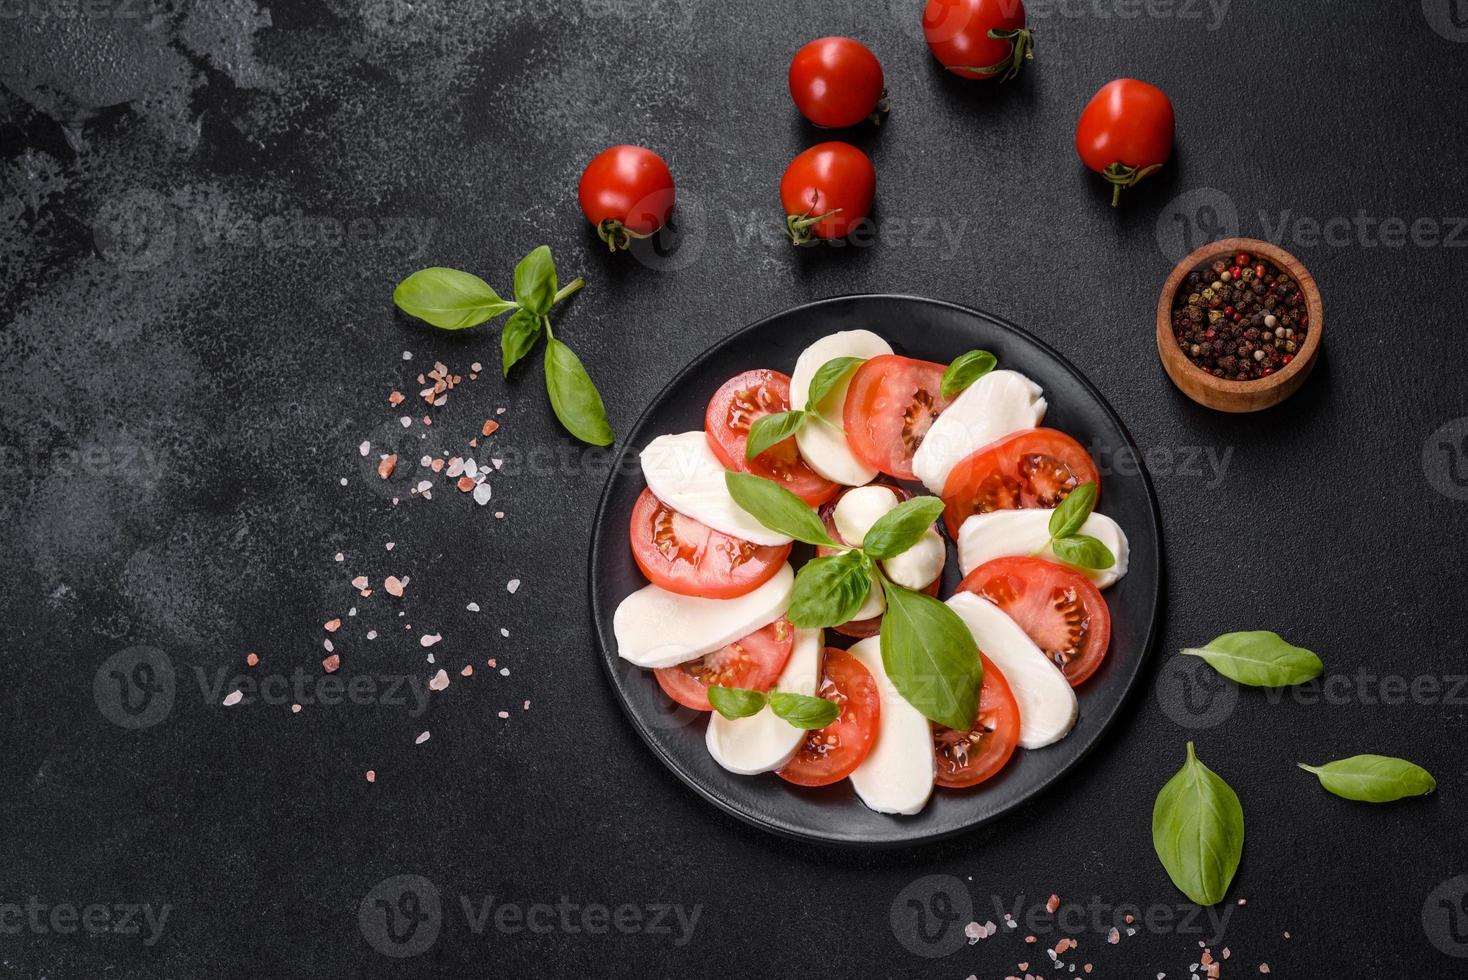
573 397
1073 511
736 702
535 281
449 299
901 527
768 430
777 508
827 377
830 591
1373 778
931 657
965 370
1198 831
1083 551
518 336
1259 658
804 711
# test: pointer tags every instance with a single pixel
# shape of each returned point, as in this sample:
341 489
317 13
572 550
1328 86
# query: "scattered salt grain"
406 420
331 663
503 714
467 671
326 645
504 672
512 586
394 586
525 706
472 607
340 556
440 680
1113 937
372 775
504 632
482 494
252 659
360 582
429 639
365 448
295 709
421 739
1263 967
372 634
476 366
332 625
1052 904
390 546
233 698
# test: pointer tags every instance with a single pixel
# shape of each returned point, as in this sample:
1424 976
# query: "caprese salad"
859 452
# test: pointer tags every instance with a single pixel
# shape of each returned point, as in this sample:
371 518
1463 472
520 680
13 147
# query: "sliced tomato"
1031 468
890 406
731 412
682 555
753 663
833 753
1057 607
969 758
863 628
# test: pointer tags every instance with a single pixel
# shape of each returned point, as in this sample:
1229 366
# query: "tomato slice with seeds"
753 663
864 628
685 556
1057 607
1030 468
833 753
890 406
734 408
968 758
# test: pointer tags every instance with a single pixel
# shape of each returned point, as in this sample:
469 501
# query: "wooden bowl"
1239 396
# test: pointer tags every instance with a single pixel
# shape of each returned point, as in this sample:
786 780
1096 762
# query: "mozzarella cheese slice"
683 472
764 742
897 776
1026 532
657 628
991 408
823 447
1047 703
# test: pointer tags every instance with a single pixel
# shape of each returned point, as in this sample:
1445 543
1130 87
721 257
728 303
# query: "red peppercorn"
1237 272
1267 372
1228 311
1288 358
1259 270
1211 333
1241 259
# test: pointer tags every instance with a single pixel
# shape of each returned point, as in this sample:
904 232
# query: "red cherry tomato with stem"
626 192
837 82
979 38
1126 132
826 192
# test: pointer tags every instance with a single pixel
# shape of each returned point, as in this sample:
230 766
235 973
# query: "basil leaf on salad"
965 370
518 336
901 527
573 397
1071 515
931 657
827 377
1198 831
1259 658
777 508
770 430
535 281
830 591
1083 551
1373 778
449 299
804 711
736 702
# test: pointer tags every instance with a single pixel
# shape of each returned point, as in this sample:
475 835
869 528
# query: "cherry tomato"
1030 468
832 753
837 82
968 758
681 555
827 191
863 628
753 663
1057 607
734 408
979 38
626 192
891 404
1126 133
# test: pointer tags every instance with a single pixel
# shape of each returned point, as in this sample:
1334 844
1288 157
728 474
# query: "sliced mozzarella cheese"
683 472
656 628
822 446
1047 702
915 568
897 777
992 407
764 742
998 533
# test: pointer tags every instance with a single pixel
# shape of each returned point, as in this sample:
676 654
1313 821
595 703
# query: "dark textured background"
191 358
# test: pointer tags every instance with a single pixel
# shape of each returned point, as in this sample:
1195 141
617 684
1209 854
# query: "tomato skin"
827 191
861 629
679 554
1126 132
836 82
626 192
999 713
735 406
1030 468
1057 607
884 392
957 32
753 662
820 762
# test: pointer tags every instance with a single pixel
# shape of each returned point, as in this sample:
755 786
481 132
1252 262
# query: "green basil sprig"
768 430
800 710
455 300
965 370
1259 658
1198 831
736 702
1066 541
1373 778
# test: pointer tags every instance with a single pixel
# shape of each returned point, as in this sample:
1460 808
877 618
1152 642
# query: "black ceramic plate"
932 331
